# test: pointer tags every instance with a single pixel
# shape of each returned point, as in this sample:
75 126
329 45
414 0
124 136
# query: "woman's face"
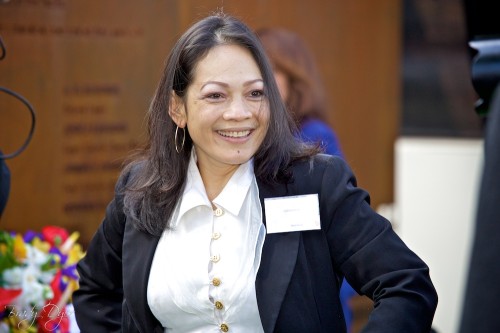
225 109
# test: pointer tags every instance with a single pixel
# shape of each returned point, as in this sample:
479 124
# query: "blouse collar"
231 198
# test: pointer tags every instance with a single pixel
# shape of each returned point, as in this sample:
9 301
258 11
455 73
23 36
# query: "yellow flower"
75 254
3 248
21 324
40 245
70 241
20 251
74 285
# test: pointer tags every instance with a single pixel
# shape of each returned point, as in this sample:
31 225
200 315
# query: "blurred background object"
438 154
4 169
4 184
482 291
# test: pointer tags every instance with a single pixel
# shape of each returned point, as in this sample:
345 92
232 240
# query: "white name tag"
295 213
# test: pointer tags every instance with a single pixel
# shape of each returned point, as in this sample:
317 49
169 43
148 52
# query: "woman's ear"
177 110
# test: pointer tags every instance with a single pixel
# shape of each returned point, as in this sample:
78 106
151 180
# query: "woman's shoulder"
321 173
319 159
318 164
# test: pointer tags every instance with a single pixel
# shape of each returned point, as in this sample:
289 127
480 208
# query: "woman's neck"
215 179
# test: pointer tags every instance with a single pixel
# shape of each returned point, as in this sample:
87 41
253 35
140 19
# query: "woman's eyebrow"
224 84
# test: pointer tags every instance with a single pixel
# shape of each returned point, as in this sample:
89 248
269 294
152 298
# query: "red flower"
53 317
55 236
7 296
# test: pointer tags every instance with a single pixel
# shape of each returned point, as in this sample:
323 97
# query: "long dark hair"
159 172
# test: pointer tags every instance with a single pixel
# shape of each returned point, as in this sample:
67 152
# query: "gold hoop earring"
183 139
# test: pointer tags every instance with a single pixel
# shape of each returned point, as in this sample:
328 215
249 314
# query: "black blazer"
300 272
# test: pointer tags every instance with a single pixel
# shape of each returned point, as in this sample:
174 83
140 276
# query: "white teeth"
234 134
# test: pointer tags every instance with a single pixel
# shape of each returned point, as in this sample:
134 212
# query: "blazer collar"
279 255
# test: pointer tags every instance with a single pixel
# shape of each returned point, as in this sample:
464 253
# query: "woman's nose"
238 109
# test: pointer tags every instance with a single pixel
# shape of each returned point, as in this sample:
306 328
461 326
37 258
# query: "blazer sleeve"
98 301
374 260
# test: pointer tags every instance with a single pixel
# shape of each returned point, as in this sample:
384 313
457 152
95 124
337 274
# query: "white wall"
436 188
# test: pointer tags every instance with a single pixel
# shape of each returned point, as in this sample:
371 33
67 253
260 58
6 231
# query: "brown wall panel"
90 68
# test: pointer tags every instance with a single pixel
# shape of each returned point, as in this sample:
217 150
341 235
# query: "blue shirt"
314 130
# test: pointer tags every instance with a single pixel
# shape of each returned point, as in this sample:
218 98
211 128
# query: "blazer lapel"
138 252
279 255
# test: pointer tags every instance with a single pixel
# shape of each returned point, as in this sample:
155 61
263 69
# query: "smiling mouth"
234 134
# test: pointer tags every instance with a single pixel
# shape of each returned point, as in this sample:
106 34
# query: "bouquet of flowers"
37 278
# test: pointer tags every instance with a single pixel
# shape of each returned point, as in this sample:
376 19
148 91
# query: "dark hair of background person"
289 54
154 193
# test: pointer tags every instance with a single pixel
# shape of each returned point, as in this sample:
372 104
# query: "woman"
225 223
300 86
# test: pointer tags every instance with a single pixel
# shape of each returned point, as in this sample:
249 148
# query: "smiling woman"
200 237
225 113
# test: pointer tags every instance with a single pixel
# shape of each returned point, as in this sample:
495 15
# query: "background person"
187 244
300 86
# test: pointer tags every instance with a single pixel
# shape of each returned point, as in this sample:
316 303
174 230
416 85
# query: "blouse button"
224 328
215 258
219 305
218 212
216 235
216 282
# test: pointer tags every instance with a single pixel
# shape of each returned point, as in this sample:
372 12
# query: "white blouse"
203 273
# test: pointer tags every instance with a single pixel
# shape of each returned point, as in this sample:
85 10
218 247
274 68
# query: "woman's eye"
214 96
257 93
